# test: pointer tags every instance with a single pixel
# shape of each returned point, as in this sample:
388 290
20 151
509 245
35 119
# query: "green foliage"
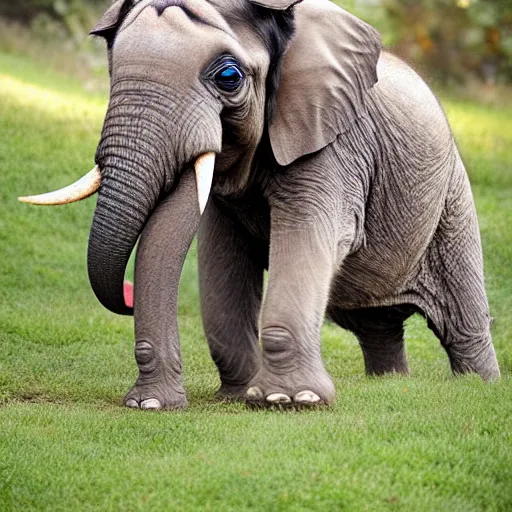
454 39
428 442
55 18
26 9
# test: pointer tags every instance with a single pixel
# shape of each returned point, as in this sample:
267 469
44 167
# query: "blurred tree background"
455 40
54 18
452 41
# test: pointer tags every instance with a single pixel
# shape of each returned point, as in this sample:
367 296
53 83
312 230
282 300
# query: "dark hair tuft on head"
275 28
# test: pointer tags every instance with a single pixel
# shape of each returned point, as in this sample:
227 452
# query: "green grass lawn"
427 442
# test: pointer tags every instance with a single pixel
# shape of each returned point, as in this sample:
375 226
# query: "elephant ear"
110 20
329 67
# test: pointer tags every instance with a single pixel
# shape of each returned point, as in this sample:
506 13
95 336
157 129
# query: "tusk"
84 187
204 166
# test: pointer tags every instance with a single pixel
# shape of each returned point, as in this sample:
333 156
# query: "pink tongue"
128 293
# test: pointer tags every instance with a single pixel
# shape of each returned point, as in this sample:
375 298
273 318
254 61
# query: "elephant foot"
297 390
481 361
159 384
154 396
230 393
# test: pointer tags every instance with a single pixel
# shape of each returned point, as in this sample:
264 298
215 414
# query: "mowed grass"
427 442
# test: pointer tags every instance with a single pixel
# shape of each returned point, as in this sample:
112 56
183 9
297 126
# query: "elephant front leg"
160 256
159 384
231 285
292 374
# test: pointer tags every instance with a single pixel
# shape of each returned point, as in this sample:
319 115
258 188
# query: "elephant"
285 137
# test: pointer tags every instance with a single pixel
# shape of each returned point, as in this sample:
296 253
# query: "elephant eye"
230 77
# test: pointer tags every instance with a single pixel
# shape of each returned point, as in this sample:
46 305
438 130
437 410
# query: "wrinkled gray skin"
363 213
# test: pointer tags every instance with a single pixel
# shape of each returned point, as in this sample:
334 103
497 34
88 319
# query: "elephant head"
198 81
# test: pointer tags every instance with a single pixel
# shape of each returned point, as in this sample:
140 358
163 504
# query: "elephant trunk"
113 235
136 171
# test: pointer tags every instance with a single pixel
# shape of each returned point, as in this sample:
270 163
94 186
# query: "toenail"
306 397
279 398
254 392
132 403
151 403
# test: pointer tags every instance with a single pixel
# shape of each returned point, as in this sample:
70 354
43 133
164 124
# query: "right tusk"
84 187
204 166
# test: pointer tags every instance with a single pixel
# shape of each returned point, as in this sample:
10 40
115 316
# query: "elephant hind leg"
458 315
452 288
468 352
380 332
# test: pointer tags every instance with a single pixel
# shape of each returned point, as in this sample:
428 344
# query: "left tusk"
84 187
204 166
